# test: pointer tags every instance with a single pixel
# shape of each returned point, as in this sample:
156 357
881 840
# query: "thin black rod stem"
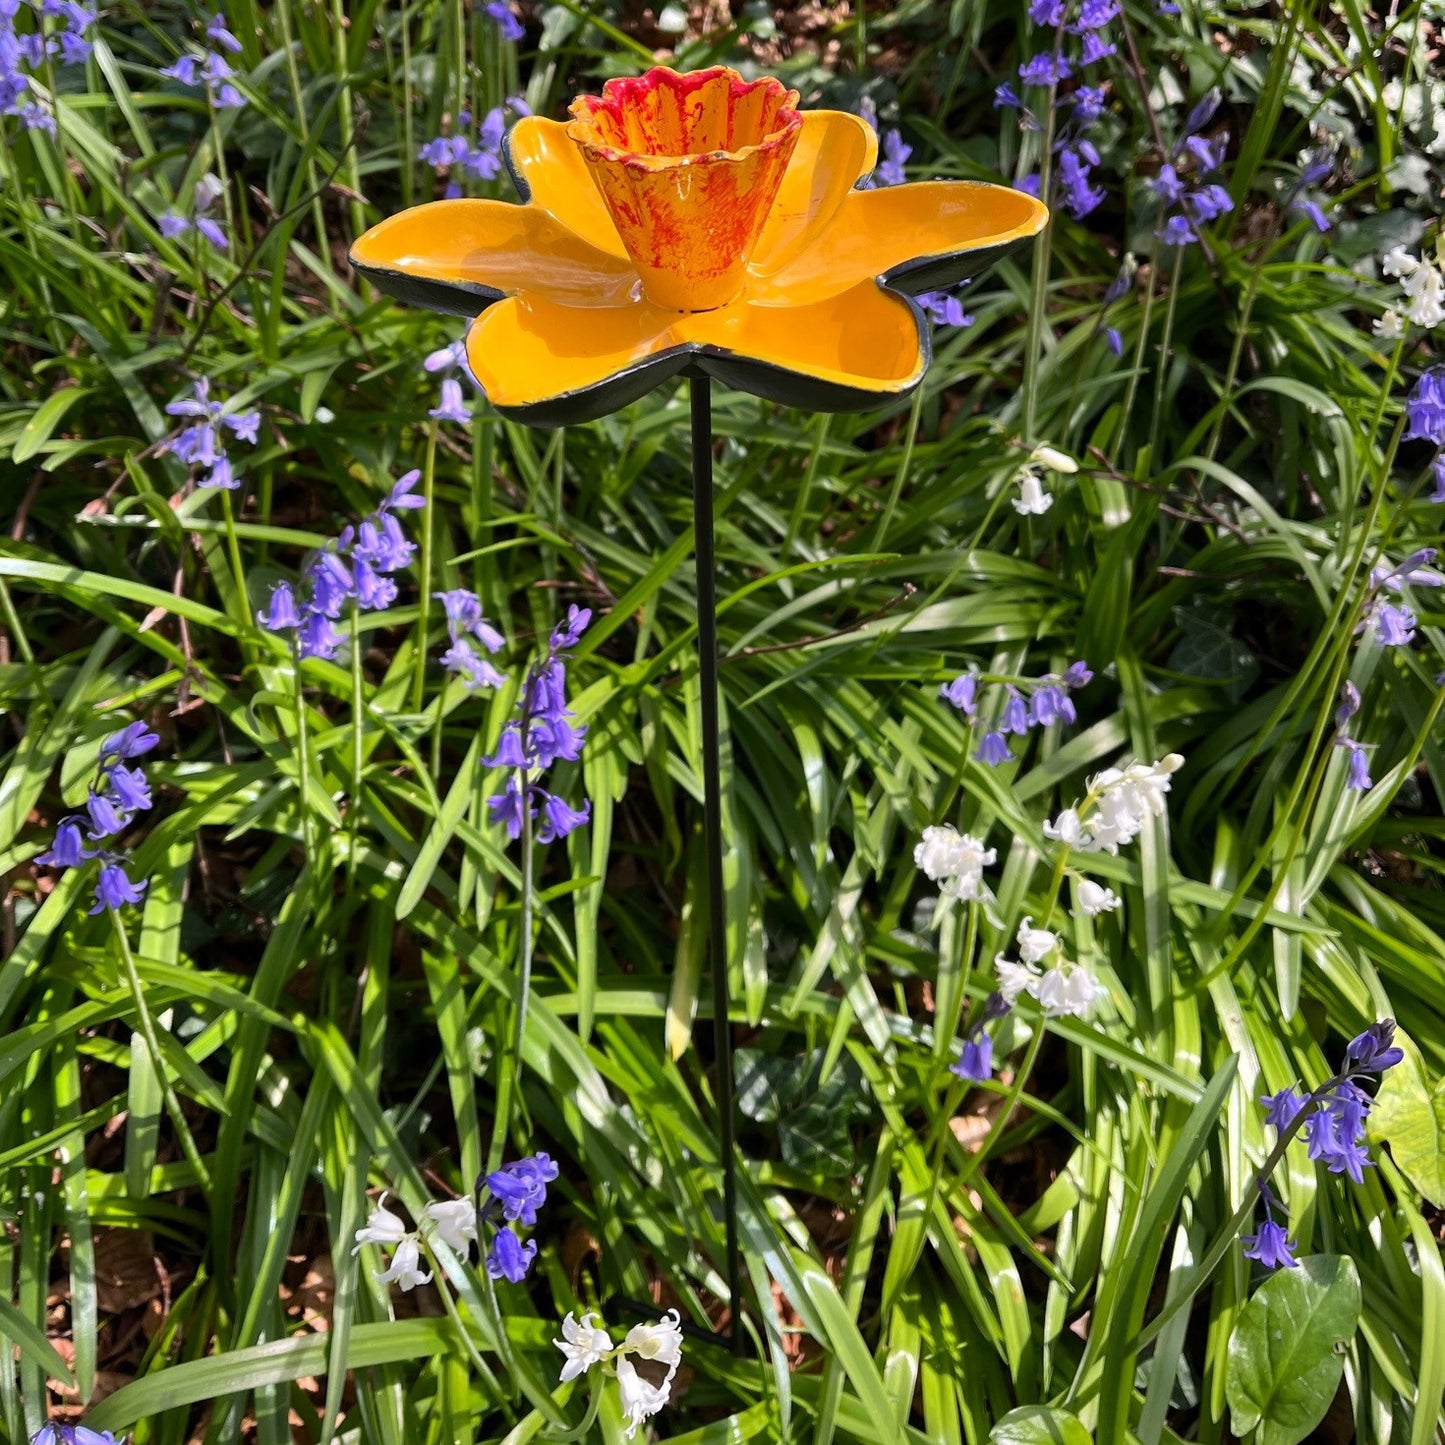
701 396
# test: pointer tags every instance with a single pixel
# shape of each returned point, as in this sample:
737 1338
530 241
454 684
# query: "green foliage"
329 947
1287 1352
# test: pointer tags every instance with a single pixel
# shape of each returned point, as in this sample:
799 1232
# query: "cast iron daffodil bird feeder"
699 225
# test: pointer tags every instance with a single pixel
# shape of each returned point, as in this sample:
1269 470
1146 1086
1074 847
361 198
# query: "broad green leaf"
1039 1425
1409 1116
1286 1355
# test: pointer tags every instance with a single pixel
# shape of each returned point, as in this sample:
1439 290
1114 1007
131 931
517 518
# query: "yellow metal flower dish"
694 222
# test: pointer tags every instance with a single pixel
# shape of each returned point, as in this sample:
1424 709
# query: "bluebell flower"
508 26
1349 703
462 659
68 849
1005 96
1208 203
131 788
54 1433
202 444
316 637
975 1062
1051 704
1374 1050
509 752
1177 231
506 808
993 750
114 889
210 68
1095 15
1015 714
1088 103
1045 69
451 407
1311 211
1049 13
1394 626
1414 571
218 34
521 1187
943 309
1114 340
962 692
1271 1245
374 589
1282 1109
186 71
1358 776
558 819
1077 675
890 170
1208 152
1095 49
509 1258
1074 168
1167 185
568 632
1438 468
280 614
1425 409
106 817
132 741
332 584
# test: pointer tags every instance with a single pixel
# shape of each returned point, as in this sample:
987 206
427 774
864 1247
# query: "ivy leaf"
1409 1116
813 1120
1038 1425
1286 1354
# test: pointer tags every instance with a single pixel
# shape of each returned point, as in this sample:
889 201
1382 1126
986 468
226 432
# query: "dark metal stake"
700 392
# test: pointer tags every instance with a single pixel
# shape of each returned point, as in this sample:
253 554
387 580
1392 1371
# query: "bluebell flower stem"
238 567
707 646
1116 447
303 760
157 1059
1039 281
1161 371
358 752
423 615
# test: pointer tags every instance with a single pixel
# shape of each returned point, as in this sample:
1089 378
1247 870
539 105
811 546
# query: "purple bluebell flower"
509 752
280 614
1114 340
1177 231
1358 777
1095 15
172 225
943 309
1425 409
553 738
316 637
1015 713
1095 49
1374 1050
216 68
1167 185
568 632
221 474
114 889
451 407
474 669
1271 1245
1208 152
506 808
107 817
975 1062
130 788
521 1187
1049 13
132 741
463 609
558 819
1051 704
1394 626
1006 97
1414 571
213 231
1045 69
332 583
1074 168
890 170
509 1258
52 1432
962 692
218 33
1349 703
1088 102
1077 675
1208 203
401 497
1281 1109
186 71
508 26
68 849
993 750
1312 211
374 589
1438 468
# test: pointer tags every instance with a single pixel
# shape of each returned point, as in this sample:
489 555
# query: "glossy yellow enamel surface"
872 232
805 299
688 167
503 247
528 348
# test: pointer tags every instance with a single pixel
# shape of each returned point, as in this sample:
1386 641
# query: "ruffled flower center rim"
666 118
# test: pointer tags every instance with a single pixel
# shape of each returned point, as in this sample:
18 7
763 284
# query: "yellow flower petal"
871 233
462 255
553 364
556 178
833 150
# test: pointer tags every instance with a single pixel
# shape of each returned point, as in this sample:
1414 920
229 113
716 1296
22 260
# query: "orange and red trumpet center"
689 166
